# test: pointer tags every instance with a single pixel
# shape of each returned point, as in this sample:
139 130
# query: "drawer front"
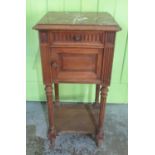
76 64
77 36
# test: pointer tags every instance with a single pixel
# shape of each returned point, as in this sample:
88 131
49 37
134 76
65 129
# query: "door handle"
77 38
55 65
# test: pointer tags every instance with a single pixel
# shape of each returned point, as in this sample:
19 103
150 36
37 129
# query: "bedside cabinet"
76 48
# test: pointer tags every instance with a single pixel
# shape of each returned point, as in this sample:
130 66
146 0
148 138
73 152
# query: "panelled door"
76 64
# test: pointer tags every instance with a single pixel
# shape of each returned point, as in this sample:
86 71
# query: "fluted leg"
56 87
100 133
51 132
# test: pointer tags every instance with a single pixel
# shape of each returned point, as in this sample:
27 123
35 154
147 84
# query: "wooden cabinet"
77 48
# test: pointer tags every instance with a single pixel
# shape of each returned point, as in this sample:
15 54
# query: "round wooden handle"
77 38
55 65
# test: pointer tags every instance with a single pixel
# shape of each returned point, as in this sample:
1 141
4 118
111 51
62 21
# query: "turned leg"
51 132
56 86
100 134
97 95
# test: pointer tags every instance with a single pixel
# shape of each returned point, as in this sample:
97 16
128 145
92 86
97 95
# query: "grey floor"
115 141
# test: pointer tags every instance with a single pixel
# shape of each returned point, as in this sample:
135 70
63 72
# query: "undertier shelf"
76 118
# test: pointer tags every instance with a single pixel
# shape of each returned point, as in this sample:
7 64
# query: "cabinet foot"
52 136
99 139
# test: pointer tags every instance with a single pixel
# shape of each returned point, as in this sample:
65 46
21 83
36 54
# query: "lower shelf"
76 119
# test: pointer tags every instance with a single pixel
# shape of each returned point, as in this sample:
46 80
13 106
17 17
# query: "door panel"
78 62
75 64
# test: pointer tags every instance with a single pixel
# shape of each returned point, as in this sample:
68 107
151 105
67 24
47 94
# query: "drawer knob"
55 65
77 38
